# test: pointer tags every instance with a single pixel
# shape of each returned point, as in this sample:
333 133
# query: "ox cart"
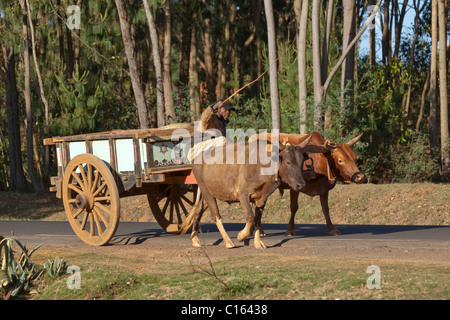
96 169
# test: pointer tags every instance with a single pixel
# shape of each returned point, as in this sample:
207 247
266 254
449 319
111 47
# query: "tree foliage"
86 75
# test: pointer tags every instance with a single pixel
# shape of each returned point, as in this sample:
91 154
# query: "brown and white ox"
336 163
244 182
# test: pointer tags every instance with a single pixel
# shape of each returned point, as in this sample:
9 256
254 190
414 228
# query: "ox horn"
354 140
311 148
305 142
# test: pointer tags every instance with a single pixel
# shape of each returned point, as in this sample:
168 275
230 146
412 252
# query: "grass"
252 277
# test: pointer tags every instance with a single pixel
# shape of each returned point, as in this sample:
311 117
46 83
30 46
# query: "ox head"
291 162
344 161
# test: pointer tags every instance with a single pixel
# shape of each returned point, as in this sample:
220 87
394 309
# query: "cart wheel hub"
84 201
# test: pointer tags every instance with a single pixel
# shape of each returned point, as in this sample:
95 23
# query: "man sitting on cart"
214 121
215 116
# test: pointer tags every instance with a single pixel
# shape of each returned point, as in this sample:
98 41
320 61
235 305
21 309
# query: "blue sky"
408 27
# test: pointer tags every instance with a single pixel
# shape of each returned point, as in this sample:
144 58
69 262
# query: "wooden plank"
157 133
172 168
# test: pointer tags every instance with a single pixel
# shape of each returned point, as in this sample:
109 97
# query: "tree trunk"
422 101
224 55
168 95
60 34
274 95
301 49
70 54
160 113
372 54
76 49
44 101
17 178
209 66
130 53
445 156
27 97
325 49
317 70
399 25
194 89
246 44
259 65
326 39
433 76
185 43
386 37
348 67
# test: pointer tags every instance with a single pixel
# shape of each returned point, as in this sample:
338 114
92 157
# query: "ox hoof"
334 232
290 233
229 245
196 243
257 241
260 245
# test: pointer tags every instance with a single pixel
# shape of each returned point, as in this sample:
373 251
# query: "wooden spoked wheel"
172 204
91 199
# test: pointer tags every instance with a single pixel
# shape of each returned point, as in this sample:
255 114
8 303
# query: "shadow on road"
302 231
136 237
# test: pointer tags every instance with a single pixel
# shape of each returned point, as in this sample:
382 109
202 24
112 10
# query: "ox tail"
187 223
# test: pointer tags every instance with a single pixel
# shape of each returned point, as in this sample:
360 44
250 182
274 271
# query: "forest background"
71 67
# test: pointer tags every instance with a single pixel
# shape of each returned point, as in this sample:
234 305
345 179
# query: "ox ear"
354 140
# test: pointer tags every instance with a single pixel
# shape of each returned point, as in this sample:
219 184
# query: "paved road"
60 231
55 230
430 243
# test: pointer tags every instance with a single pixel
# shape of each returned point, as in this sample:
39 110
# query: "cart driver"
214 121
215 116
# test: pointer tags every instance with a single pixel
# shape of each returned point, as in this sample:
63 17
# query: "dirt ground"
144 256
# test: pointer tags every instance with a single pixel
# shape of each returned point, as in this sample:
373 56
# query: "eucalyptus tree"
130 51
274 94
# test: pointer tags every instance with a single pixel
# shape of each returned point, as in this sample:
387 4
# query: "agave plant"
56 267
16 274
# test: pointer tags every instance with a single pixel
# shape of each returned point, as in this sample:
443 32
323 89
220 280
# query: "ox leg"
214 209
257 240
294 207
267 190
228 243
247 231
197 217
326 212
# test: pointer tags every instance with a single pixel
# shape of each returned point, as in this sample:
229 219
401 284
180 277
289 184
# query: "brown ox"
244 183
336 163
